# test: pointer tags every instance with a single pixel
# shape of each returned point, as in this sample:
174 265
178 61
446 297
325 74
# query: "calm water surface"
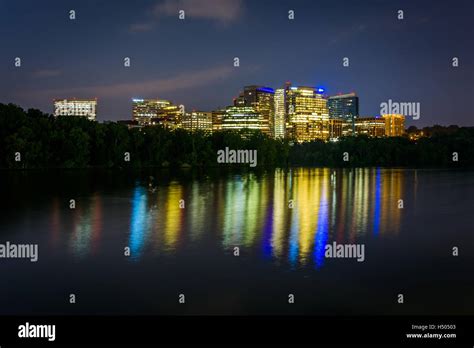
182 229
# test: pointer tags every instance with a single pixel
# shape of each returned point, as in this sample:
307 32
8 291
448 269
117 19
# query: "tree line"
32 139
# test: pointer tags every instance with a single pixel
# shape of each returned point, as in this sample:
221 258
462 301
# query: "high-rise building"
156 111
145 110
370 126
262 100
394 125
345 107
279 123
217 116
197 120
336 127
308 115
76 107
242 117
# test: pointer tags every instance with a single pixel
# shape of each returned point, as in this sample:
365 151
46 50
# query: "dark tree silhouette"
44 141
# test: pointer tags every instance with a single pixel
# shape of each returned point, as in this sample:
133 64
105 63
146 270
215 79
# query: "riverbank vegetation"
32 139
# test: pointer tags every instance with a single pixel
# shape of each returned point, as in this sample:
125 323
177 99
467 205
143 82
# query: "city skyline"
300 163
191 61
298 113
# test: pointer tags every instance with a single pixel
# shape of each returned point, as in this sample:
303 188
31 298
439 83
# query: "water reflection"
87 226
288 216
140 221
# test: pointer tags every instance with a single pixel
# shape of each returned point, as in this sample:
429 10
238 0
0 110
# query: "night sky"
190 62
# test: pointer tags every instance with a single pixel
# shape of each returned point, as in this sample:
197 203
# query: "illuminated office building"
336 127
394 125
345 107
308 115
370 126
144 110
156 111
347 129
197 120
76 107
279 124
217 117
242 117
261 99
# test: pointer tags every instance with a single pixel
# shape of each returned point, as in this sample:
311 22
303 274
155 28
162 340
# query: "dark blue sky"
190 62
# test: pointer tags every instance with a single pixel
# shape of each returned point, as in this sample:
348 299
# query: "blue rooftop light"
266 89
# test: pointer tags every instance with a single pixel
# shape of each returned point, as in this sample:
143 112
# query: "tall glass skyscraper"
308 115
279 120
345 107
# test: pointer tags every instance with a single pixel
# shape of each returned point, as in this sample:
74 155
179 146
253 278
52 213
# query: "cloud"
223 11
149 88
141 27
46 73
